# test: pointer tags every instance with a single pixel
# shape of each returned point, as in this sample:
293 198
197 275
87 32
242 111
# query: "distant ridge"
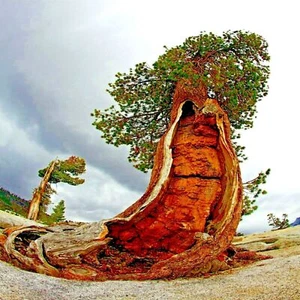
16 205
12 202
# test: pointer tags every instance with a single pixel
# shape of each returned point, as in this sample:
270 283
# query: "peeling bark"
181 226
34 206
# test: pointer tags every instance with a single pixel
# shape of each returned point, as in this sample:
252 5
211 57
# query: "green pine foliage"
252 192
58 213
67 171
278 223
14 204
46 197
233 68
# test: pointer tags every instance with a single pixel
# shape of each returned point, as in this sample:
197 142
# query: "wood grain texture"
182 225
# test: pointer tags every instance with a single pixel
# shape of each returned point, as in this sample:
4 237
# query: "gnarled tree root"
182 225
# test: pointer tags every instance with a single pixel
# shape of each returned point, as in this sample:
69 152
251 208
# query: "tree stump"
180 227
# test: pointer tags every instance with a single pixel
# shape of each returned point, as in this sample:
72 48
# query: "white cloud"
278 204
100 197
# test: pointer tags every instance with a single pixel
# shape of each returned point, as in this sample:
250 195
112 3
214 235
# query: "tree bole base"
181 227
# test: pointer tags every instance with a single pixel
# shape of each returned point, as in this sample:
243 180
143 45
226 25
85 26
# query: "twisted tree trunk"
35 203
181 226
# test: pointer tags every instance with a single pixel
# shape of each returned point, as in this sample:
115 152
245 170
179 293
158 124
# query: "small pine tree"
276 223
58 213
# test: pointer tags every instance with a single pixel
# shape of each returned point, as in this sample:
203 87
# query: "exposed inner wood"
194 185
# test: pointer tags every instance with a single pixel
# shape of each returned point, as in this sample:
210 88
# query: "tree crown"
231 67
66 171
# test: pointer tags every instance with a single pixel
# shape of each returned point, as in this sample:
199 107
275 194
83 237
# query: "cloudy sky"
57 58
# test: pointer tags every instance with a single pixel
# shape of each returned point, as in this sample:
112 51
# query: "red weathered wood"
181 226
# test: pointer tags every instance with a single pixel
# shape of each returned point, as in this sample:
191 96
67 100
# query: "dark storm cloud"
18 173
11 168
58 137
20 105
45 89
15 19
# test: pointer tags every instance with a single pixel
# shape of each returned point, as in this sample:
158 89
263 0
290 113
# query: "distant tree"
252 191
58 213
65 171
277 223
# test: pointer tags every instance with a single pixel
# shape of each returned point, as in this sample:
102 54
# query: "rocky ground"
276 278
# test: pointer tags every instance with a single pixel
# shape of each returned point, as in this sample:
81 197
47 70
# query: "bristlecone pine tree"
178 117
66 171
